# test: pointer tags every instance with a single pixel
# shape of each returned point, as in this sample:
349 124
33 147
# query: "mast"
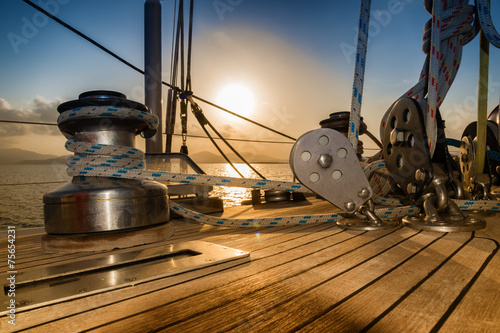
152 69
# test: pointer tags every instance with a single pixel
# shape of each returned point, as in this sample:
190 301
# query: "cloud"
39 109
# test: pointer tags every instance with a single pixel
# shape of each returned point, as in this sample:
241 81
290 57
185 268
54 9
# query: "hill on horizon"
207 157
21 156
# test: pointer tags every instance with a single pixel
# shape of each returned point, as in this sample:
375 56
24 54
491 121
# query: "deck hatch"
57 283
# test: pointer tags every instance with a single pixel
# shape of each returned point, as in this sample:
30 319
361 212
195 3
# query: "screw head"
411 188
325 160
420 175
397 137
365 193
350 205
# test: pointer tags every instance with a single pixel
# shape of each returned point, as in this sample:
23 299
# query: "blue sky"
294 56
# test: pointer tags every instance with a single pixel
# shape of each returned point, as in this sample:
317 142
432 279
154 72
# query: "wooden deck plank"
274 251
266 289
201 293
424 308
480 308
395 272
309 277
274 309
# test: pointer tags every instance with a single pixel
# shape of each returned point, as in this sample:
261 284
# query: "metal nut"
325 160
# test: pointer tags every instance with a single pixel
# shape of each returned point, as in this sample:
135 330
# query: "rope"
385 213
113 161
445 34
494 155
484 14
359 73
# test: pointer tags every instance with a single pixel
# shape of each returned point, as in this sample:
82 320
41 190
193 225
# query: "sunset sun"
237 98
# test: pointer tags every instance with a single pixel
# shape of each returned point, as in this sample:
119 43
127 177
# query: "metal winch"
339 121
96 205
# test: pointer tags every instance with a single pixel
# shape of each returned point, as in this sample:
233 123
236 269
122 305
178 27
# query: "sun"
237 98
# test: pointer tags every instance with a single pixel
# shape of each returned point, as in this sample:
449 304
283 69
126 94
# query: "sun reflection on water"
234 196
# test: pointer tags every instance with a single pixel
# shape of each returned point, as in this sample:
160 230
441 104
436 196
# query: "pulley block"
326 163
406 152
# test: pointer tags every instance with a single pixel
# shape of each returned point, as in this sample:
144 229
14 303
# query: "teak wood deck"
307 278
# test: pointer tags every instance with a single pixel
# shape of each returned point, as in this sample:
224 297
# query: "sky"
292 61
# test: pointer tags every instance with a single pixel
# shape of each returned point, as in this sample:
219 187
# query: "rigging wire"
198 112
240 140
191 136
26 122
67 26
37 183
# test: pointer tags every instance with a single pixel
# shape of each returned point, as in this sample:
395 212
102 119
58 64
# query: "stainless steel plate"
53 284
445 225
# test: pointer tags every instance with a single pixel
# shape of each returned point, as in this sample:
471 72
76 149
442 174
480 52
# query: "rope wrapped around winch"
99 160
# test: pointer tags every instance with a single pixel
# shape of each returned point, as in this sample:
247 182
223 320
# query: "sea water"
22 188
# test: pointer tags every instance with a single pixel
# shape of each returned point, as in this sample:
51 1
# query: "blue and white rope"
359 73
123 162
445 34
484 14
385 213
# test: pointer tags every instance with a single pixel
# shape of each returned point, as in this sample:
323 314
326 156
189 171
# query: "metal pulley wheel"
325 162
492 166
468 162
406 152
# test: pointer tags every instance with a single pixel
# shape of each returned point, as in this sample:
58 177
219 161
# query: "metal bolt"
325 160
465 158
411 188
350 205
420 175
365 193
397 137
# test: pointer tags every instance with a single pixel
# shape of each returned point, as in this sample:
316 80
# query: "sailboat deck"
304 278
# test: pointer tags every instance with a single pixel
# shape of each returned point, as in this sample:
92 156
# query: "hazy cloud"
39 109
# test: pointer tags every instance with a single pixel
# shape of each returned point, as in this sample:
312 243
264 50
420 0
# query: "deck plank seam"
336 304
416 286
247 276
186 281
467 287
292 276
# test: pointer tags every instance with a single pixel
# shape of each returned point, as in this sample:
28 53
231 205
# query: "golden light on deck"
237 98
